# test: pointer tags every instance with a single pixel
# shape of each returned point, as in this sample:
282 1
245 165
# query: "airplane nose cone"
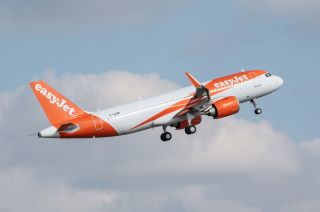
278 82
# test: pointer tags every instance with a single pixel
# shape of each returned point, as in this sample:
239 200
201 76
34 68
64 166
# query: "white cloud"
254 148
312 147
308 205
109 88
21 191
229 165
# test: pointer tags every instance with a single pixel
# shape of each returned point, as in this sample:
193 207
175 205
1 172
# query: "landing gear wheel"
191 129
258 111
166 136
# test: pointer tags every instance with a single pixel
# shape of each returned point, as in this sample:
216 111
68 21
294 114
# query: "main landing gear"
191 129
257 110
166 136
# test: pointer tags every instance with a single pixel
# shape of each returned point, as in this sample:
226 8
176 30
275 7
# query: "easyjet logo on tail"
61 103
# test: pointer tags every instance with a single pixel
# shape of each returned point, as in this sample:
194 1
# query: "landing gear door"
255 79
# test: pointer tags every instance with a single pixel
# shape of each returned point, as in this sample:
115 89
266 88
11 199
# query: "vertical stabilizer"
58 108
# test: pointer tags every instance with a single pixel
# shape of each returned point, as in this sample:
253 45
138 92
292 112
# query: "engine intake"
225 107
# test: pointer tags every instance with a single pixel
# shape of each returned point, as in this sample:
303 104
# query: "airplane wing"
200 100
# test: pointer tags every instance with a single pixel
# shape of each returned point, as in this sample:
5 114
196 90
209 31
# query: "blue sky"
86 40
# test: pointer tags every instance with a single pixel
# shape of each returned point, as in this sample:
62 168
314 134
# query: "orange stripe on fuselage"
177 106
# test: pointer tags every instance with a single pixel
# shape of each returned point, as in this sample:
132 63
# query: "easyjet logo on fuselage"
61 103
230 82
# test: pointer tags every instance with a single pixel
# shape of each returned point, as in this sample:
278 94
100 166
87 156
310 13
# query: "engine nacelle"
225 107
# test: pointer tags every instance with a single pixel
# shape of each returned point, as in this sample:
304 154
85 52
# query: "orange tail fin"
57 108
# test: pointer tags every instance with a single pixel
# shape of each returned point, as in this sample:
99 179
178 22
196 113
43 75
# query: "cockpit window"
268 75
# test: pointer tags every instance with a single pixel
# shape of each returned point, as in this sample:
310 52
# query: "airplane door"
256 81
97 122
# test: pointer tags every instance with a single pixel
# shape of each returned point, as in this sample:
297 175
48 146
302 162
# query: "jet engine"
225 107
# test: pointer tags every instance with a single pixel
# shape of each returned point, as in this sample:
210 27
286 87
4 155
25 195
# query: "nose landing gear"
257 110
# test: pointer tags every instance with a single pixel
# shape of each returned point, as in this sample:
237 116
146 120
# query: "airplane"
181 109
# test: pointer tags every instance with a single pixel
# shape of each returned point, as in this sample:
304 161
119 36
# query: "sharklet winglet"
193 80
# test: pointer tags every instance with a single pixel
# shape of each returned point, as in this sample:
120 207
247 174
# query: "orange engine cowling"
225 107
